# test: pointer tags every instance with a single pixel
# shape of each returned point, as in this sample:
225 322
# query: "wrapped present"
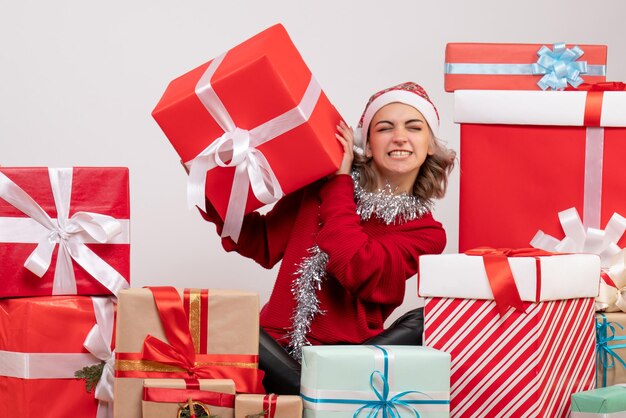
45 342
173 398
610 348
496 66
345 381
519 328
268 406
245 118
609 402
64 231
540 153
165 333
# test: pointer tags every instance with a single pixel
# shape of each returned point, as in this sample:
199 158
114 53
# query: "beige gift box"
224 326
617 373
158 403
268 406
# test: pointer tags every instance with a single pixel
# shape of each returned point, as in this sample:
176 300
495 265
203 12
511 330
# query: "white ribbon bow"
593 241
239 146
98 343
68 233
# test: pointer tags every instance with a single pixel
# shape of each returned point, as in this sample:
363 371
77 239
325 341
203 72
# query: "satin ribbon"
222 400
500 276
178 356
384 404
605 353
240 147
66 232
558 67
603 243
98 343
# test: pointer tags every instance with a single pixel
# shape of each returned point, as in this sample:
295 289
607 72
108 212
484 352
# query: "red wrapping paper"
258 80
527 364
499 53
49 324
516 179
100 190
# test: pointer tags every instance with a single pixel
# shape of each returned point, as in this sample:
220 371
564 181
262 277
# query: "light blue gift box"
608 402
346 381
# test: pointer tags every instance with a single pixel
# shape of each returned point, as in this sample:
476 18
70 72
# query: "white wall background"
79 78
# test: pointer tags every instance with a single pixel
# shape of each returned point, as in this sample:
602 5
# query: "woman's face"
399 141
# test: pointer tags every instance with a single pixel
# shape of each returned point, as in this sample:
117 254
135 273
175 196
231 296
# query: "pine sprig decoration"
262 414
91 375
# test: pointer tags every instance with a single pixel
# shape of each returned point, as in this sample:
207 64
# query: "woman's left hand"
345 136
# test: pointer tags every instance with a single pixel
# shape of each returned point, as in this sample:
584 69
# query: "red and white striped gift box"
520 364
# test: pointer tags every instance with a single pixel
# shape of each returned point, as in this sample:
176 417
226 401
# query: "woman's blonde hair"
432 179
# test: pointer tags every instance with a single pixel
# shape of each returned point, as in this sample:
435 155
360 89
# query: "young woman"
348 243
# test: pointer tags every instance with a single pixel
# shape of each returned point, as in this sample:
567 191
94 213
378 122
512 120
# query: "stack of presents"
526 321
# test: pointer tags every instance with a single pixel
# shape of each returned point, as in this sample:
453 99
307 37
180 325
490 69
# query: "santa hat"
409 93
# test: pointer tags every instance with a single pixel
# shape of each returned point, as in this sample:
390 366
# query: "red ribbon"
593 102
180 350
269 405
224 400
500 276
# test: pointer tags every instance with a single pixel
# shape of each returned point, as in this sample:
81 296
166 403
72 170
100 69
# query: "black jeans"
282 372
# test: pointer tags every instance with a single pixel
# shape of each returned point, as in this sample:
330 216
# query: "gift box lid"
508 66
560 108
464 276
607 400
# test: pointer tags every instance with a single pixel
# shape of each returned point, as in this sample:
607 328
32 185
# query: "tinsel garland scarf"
384 205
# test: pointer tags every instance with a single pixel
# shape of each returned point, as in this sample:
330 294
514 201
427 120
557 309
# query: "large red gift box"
500 66
527 363
260 99
75 219
42 346
527 156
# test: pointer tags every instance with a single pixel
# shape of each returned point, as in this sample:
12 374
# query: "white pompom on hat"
409 93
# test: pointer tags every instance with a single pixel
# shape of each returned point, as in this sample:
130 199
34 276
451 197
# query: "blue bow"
559 67
388 406
605 333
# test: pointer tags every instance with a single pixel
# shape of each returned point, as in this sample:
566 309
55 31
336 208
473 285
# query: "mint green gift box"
608 402
376 381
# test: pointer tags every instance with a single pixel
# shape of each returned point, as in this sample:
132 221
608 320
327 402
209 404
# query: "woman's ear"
431 145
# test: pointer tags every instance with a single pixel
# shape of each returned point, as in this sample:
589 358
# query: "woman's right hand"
345 136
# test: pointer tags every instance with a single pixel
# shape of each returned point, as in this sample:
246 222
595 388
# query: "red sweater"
369 261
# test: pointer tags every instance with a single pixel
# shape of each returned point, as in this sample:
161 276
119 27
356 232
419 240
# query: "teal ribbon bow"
605 354
559 66
389 407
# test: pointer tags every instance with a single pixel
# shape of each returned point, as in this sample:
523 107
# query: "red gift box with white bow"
44 341
64 231
251 125
529 155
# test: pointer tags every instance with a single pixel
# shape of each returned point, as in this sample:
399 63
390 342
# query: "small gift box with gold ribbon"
519 325
190 398
56 357
168 333
244 120
268 406
528 155
498 66
64 231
